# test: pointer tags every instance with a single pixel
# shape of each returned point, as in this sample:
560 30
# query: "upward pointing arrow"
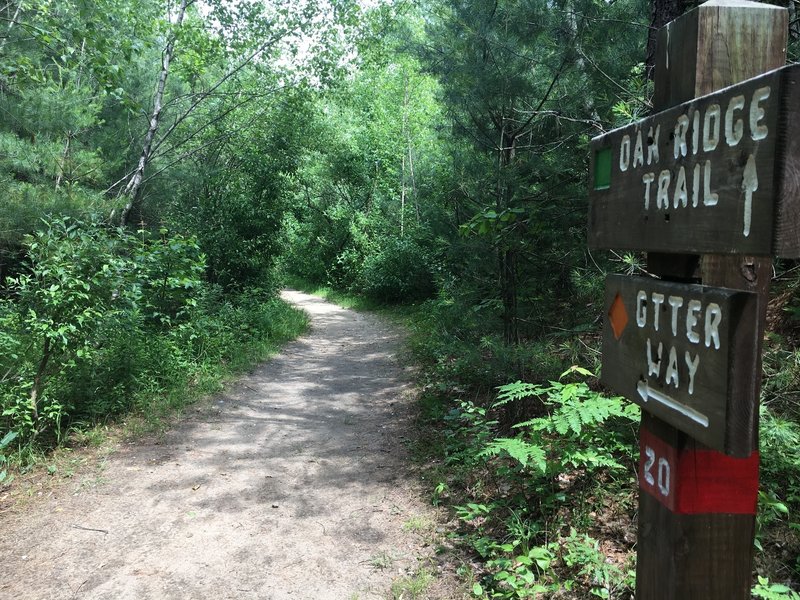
749 185
687 411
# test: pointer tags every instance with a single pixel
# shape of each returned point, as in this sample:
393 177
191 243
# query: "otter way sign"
684 353
713 175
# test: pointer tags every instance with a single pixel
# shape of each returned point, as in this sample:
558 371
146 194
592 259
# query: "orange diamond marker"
618 316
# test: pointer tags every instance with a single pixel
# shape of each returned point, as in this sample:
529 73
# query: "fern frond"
526 454
591 459
517 391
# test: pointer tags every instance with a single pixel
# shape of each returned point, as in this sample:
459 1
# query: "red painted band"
697 481
712 482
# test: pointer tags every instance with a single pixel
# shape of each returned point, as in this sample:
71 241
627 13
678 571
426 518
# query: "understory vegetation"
104 322
542 478
167 165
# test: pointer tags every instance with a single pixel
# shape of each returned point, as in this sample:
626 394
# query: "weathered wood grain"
721 43
787 226
690 557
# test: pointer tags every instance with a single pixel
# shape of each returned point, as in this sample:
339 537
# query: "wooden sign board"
708 176
685 353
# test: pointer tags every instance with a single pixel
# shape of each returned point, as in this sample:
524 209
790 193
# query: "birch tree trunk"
11 24
132 190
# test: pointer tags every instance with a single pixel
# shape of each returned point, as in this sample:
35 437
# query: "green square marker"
602 169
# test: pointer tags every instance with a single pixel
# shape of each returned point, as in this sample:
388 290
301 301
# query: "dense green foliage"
535 503
165 166
103 321
146 155
490 229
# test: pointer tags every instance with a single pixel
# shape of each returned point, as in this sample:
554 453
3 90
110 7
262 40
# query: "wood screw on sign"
709 187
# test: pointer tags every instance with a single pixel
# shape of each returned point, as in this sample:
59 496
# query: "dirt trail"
293 484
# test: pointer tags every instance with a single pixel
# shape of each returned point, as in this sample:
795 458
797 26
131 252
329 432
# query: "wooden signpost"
709 186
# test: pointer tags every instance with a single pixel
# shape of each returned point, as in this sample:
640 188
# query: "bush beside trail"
102 321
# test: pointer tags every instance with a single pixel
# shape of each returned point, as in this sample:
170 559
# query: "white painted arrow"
687 411
749 185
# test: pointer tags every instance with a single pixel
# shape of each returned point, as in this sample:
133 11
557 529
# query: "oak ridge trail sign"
717 174
684 353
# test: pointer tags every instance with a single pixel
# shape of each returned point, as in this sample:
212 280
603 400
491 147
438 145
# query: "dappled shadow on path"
286 486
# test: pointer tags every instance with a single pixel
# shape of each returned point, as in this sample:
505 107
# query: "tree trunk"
38 379
11 24
662 11
508 286
403 198
507 256
409 150
132 189
62 163
413 181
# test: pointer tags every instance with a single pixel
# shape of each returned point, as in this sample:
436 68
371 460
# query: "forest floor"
294 483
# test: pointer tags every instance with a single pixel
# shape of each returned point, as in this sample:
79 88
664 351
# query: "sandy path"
291 485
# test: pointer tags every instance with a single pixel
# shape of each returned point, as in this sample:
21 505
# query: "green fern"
590 458
575 406
518 391
572 435
528 455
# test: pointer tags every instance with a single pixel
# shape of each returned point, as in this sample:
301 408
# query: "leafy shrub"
400 271
303 255
61 303
777 524
572 434
456 344
84 321
579 439
5 443
236 223
345 270
167 272
773 591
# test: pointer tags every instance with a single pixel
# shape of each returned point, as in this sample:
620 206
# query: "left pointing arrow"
647 393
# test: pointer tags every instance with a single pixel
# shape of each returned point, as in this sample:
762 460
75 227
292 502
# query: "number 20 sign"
697 481
657 473
656 465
